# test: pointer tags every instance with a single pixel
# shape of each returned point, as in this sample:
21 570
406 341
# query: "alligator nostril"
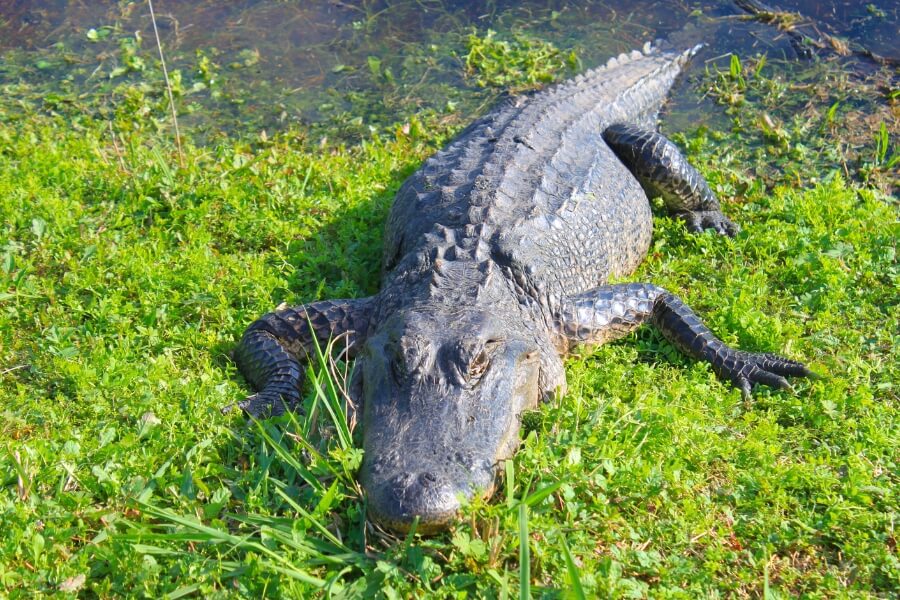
427 479
467 460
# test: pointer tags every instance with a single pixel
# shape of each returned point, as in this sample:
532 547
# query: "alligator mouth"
440 411
430 500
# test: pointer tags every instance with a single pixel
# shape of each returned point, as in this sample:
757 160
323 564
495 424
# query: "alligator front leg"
270 353
662 170
611 311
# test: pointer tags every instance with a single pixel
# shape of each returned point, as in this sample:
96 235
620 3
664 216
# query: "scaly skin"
612 311
497 252
663 171
273 346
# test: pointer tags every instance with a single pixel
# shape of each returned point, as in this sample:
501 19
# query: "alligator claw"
266 404
747 368
698 221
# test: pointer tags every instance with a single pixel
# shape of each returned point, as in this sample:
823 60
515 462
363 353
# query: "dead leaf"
73 584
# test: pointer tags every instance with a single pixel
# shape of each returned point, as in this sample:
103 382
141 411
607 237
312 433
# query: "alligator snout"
433 492
441 409
431 497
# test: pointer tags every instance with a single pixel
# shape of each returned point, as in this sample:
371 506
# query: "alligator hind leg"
611 311
270 353
663 171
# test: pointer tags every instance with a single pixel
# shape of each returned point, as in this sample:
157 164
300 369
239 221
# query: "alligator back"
533 187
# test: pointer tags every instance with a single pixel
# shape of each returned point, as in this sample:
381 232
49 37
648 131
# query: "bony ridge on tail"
497 255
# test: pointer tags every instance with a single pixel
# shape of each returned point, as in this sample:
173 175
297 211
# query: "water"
348 67
874 25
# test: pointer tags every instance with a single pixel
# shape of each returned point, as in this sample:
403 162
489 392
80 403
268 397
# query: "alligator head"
442 396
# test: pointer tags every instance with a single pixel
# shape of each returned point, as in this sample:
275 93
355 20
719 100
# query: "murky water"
261 64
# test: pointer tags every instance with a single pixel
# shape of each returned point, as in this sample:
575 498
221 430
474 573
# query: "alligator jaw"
434 500
441 410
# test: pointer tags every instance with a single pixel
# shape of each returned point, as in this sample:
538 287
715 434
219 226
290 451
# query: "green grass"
124 282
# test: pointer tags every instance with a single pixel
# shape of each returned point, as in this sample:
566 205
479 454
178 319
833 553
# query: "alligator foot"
611 311
683 328
744 369
700 220
273 370
263 406
663 171
269 403
270 352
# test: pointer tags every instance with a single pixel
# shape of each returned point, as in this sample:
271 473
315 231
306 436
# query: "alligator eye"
398 371
482 359
397 362
478 365
407 361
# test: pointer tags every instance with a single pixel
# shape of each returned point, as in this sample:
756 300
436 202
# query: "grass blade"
510 484
289 459
313 521
162 60
572 569
524 555
539 495
332 400
214 535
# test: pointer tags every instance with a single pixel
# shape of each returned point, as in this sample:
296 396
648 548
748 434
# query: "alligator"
496 260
